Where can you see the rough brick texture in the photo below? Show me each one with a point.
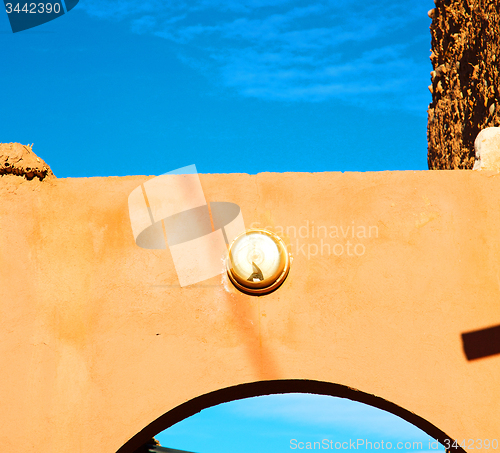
(465, 79)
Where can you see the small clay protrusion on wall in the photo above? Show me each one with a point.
(20, 160)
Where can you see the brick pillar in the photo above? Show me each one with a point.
(465, 79)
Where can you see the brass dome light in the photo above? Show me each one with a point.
(258, 262)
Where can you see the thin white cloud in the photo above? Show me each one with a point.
(119, 9)
(144, 24)
(288, 50)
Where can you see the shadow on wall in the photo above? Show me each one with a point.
(481, 343)
(278, 387)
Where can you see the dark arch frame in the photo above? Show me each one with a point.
(274, 387)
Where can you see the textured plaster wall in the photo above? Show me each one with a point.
(97, 339)
(465, 79)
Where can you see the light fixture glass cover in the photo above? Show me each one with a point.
(258, 262)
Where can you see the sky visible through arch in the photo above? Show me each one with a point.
(286, 423)
(123, 87)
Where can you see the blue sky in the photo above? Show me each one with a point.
(272, 423)
(144, 87)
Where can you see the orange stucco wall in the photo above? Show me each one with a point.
(97, 338)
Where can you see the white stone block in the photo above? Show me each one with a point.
(487, 147)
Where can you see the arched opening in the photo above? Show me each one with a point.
(273, 387)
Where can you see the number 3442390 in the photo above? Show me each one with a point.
(472, 444)
(33, 8)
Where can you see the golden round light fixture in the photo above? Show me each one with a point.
(258, 262)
